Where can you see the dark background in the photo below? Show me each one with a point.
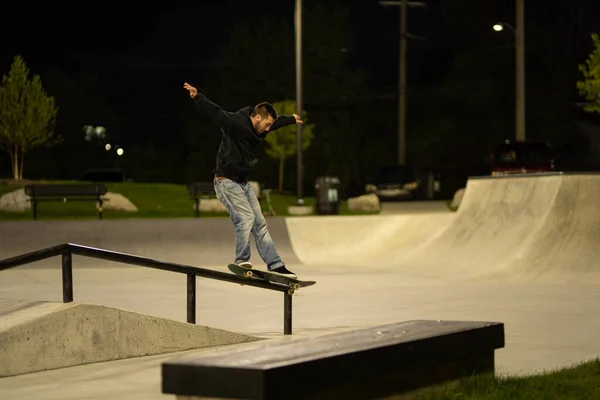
(122, 67)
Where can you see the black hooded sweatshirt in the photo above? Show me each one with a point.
(239, 141)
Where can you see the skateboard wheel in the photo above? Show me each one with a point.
(248, 274)
(291, 291)
(296, 286)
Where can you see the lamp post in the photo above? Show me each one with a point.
(519, 33)
(299, 166)
(403, 5)
(520, 68)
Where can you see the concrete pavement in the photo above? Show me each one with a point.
(521, 251)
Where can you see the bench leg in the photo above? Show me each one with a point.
(197, 208)
(34, 209)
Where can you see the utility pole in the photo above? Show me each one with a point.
(520, 70)
(402, 87)
(299, 166)
(403, 35)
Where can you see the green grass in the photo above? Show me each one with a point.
(579, 382)
(153, 200)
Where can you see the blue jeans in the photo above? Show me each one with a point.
(245, 212)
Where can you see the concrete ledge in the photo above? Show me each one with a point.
(39, 336)
(359, 364)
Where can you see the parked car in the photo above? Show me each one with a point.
(402, 182)
(521, 157)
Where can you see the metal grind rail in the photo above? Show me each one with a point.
(67, 250)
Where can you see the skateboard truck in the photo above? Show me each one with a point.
(292, 283)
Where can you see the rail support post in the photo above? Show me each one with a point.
(67, 276)
(287, 313)
(191, 298)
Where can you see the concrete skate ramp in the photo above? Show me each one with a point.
(362, 240)
(37, 336)
(199, 242)
(528, 228)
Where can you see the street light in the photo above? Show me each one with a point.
(519, 33)
(499, 27)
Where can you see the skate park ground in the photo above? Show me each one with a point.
(520, 250)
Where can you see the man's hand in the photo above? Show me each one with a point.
(193, 91)
(298, 120)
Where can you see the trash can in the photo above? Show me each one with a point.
(430, 185)
(327, 199)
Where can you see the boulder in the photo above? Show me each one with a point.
(211, 205)
(117, 202)
(364, 203)
(457, 199)
(15, 201)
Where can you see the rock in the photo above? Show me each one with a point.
(211, 205)
(364, 203)
(300, 210)
(458, 196)
(16, 201)
(117, 202)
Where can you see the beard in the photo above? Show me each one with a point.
(260, 127)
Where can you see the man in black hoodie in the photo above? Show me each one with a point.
(242, 132)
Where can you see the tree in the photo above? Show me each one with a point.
(27, 114)
(336, 93)
(282, 142)
(261, 49)
(590, 87)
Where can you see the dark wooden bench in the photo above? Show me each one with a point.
(360, 364)
(200, 190)
(68, 192)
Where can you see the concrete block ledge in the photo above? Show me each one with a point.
(358, 364)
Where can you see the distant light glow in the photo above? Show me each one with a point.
(94, 132)
(108, 147)
(498, 27)
(120, 151)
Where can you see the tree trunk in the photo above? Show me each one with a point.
(21, 166)
(14, 155)
(281, 169)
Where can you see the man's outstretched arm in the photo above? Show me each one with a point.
(209, 108)
(284, 120)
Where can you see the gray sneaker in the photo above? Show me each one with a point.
(283, 271)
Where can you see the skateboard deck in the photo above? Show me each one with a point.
(262, 275)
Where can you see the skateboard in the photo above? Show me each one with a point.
(292, 283)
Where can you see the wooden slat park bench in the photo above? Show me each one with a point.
(67, 192)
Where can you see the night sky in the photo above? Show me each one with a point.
(185, 35)
(173, 38)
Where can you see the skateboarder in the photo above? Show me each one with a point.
(242, 132)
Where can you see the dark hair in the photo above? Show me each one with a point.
(264, 110)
